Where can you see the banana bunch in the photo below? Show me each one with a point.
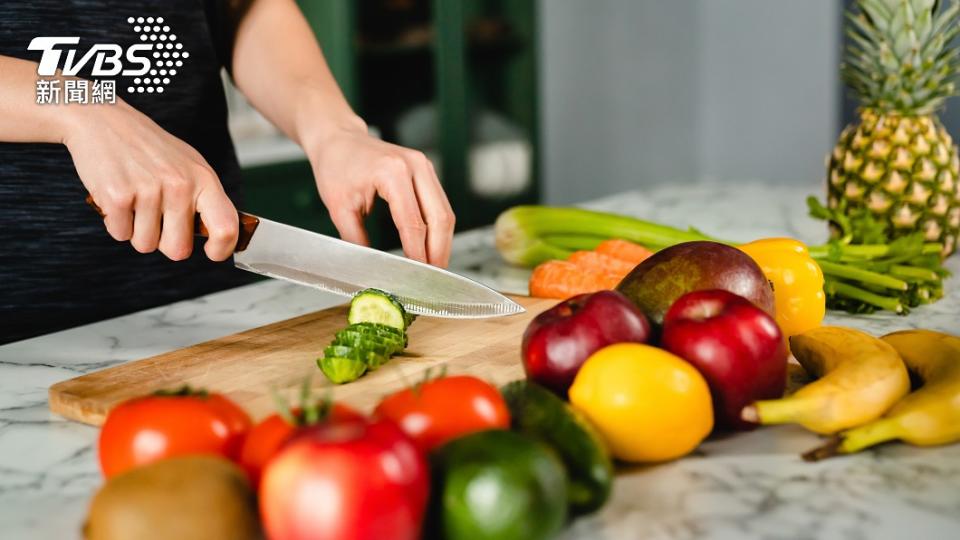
(862, 389)
(928, 416)
(859, 377)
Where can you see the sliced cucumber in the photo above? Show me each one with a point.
(376, 306)
(376, 332)
(375, 359)
(538, 412)
(342, 351)
(342, 369)
(370, 356)
(386, 345)
(367, 344)
(379, 330)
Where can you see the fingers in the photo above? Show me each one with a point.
(161, 215)
(117, 208)
(396, 187)
(435, 209)
(176, 236)
(349, 224)
(221, 220)
(146, 220)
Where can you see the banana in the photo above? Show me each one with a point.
(859, 377)
(928, 416)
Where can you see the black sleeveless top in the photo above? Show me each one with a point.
(58, 266)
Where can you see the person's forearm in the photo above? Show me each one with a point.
(22, 119)
(279, 67)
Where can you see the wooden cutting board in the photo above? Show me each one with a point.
(248, 366)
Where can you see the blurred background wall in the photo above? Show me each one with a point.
(639, 92)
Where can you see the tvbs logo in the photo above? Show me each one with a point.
(152, 62)
(106, 58)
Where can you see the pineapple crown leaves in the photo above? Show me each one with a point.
(901, 57)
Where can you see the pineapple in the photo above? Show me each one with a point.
(899, 162)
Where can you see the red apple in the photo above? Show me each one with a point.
(559, 340)
(350, 479)
(735, 345)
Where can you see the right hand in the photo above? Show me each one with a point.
(148, 183)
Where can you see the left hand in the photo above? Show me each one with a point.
(352, 168)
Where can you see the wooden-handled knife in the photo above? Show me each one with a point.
(307, 258)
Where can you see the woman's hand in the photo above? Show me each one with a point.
(352, 168)
(148, 183)
(278, 65)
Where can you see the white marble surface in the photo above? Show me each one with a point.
(741, 487)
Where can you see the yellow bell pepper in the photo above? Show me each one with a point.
(797, 282)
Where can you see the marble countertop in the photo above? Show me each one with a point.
(746, 486)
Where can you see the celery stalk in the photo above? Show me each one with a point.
(574, 242)
(521, 231)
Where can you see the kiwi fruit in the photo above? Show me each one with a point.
(187, 498)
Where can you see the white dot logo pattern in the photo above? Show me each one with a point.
(154, 33)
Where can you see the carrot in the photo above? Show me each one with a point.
(562, 279)
(602, 262)
(623, 249)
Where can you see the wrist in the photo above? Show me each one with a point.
(73, 120)
(70, 121)
(320, 118)
(62, 120)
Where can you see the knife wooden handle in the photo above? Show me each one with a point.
(248, 224)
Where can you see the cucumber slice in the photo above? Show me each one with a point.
(371, 335)
(538, 412)
(379, 330)
(375, 359)
(341, 351)
(364, 343)
(376, 332)
(376, 306)
(371, 357)
(376, 328)
(342, 369)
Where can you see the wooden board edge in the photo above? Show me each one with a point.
(69, 406)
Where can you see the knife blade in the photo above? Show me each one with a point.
(333, 265)
(315, 260)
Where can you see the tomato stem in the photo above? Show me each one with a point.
(311, 412)
(428, 376)
(184, 391)
(283, 408)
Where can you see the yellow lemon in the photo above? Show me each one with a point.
(649, 404)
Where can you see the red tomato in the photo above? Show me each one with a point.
(266, 438)
(150, 428)
(351, 480)
(444, 409)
